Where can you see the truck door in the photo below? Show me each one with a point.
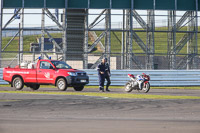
(45, 73)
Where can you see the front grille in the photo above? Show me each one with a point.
(81, 74)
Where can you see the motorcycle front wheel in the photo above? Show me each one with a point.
(145, 88)
(128, 87)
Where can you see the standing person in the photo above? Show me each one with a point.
(107, 74)
(101, 73)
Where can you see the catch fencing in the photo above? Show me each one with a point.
(158, 77)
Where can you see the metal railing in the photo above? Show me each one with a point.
(1, 77)
(158, 77)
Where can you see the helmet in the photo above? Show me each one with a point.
(106, 59)
(143, 74)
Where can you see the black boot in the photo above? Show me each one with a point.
(101, 89)
(107, 89)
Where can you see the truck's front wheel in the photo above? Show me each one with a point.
(18, 83)
(61, 84)
(80, 88)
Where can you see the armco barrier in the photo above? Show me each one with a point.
(1, 77)
(158, 77)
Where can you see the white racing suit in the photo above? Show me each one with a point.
(140, 81)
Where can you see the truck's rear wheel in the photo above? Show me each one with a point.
(35, 86)
(61, 84)
(18, 83)
(80, 88)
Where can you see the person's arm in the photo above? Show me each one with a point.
(109, 70)
(98, 69)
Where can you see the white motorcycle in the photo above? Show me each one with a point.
(139, 83)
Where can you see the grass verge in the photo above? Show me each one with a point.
(120, 87)
(106, 95)
(182, 87)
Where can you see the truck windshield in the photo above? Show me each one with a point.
(61, 65)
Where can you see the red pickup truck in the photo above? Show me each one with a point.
(46, 72)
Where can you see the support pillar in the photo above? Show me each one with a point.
(43, 33)
(1, 18)
(85, 54)
(21, 35)
(126, 61)
(64, 37)
(123, 43)
(150, 40)
(130, 44)
(172, 39)
(192, 48)
(108, 35)
(196, 59)
(129, 39)
(189, 43)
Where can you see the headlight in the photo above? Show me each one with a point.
(72, 73)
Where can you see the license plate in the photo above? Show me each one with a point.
(83, 81)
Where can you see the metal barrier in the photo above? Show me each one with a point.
(158, 77)
(1, 77)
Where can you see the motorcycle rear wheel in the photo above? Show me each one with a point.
(128, 87)
(145, 89)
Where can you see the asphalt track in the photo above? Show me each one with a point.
(38, 113)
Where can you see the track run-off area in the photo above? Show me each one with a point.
(117, 92)
(48, 110)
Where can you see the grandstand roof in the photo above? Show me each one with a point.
(181, 5)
